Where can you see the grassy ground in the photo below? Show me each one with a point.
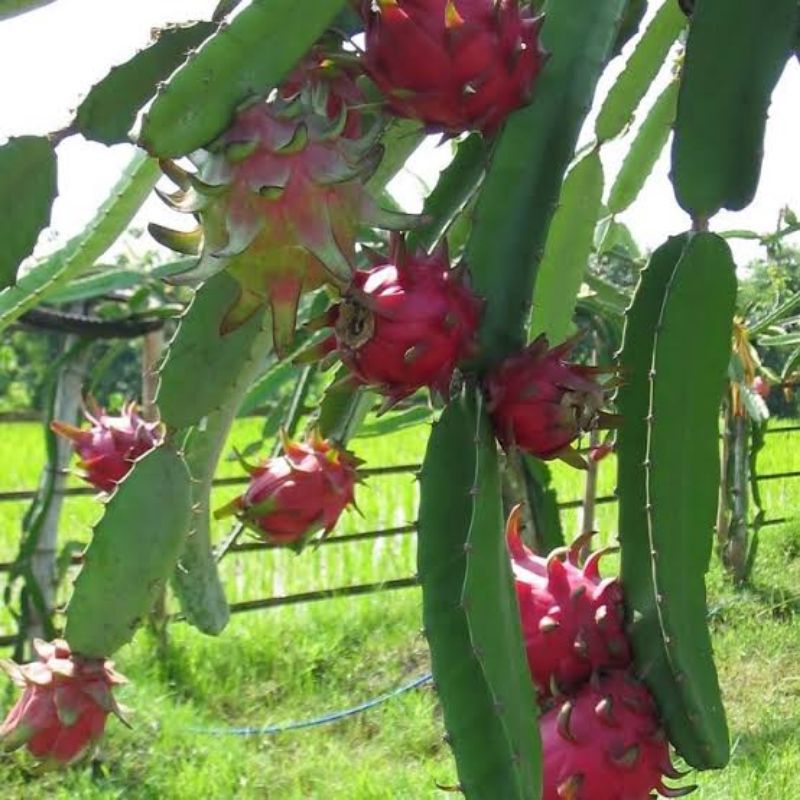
(298, 662)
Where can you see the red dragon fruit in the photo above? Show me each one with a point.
(280, 195)
(406, 322)
(606, 743)
(293, 496)
(541, 403)
(456, 65)
(572, 620)
(64, 705)
(108, 449)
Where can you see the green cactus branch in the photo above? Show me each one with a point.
(13, 8)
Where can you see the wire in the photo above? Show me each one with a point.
(268, 730)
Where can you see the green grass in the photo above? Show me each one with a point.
(297, 662)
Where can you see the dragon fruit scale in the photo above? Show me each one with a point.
(455, 65)
(280, 195)
(406, 322)
(541, 404)
(109, 447)
(606, 742)
(64, 705)
(297, 494)
(572, 619)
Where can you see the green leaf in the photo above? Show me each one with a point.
(448, 513)
(566, 253)
(12, 8)
(343, 408)
(242, 60)
(401, 139)
(644, 151)
(394, 422)
(780, 340)
(134, 548)
(777, 315)
(202, 367)
(81, 252)
(523, 182)
(735, 54)
(109, 110)
(608, 294)
(640, 71)
(668, 480)
(28, 186)
(456, 185)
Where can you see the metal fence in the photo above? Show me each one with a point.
(343, 540)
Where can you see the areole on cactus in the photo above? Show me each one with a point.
(280, 194)
(606, 742)
(406, 322)
(456, 65)
(541, 403)
(295, 495)
(108, 449)
(64, 705)
(572, 619)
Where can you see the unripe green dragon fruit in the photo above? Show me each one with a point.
(572, 619)
(280, 195)
(606, 743)
(64, 705)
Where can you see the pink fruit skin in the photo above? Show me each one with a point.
(406, 323)
(541, 403)
(761, 387)
(605, 743)
(109, 447)
(572, 620)
(64, 705)
(295, 495)
(455, 65)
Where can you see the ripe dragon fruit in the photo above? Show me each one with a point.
(293, 496)
(65, 701)
(108, 449)
(406, 322)
(606, 743)
(455, 65)
(280, 195)
(572, 620)
(542, 404)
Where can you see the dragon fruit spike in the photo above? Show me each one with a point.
(296, 495)
(455, 65)
(606, 743)
(572, 619)
(64, 705)
(107, 450)
(405, 323)
(280, 195)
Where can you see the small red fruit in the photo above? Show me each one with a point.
(108, 449)
(606, 743)
(541, 403)
(293, 496)
(64, 705)
(406, 323)
(572, 619)
(455, 65)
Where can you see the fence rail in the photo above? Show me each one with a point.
(355, 589)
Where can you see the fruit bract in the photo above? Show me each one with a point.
(572, 619)
(606, 743)
(109, 447)
(295, 495)
(64, 705)
(406, 323)
(541, 403)
(455, 65)
(280, 195)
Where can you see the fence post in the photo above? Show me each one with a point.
(44, 571)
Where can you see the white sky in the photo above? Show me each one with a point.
(49, 58)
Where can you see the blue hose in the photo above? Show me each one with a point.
(268, 730)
